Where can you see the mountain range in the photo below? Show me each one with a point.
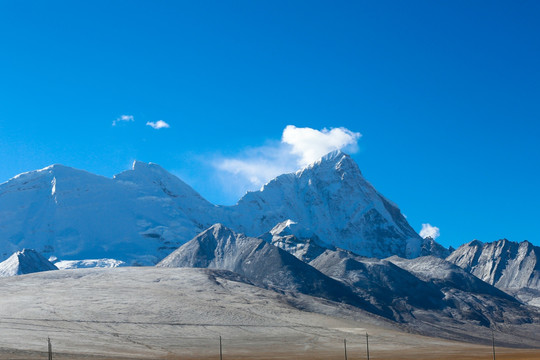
(322, 232)
(143, 214)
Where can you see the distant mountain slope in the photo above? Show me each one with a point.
(332, 199)
(423, 292)
(25, 262)
(396, 292)
(466, 298)
(510, 266)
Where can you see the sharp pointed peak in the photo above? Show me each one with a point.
(218, 230)
(336, 159)
(475, 242)
(144, 170)
(334, 155)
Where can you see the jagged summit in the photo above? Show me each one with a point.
(25, 262)
(505, 264)
(332, 159)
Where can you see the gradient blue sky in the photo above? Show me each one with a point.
(446, 95)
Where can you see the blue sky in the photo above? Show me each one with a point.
(444, 93)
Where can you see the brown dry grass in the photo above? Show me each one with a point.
(462, 352)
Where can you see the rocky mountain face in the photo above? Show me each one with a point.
(423, 293)
(25, 262)
(510, 266)
(259, 262)
(143, 214)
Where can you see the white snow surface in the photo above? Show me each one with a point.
(88, 263)
(143, 214)
(139, 216)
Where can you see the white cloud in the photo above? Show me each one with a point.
(429, 231)
(256, 166)
(123, 118)
(310, 144)
(160, 124)
(298, 147)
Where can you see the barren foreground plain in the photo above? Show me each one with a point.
(171, 313)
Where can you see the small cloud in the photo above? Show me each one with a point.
(123, 118)
(310, 144)
(429, 231)
(160, 124)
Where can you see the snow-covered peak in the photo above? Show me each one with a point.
(141, 167)
(152, 178)
(333, 200)
(55, 171)
(333, 159)
(25, 262)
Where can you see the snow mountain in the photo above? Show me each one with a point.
(141, 215)
(25, 262)
(331, 199)
(510, 266)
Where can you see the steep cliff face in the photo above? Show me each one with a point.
(510, 266)
(504, 264)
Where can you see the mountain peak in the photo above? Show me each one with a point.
(475, 242)
(141, 166)
(25, 262)
(333, 200)
(54, 169)
(335, 159)
(219, 230)
(333, 156)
